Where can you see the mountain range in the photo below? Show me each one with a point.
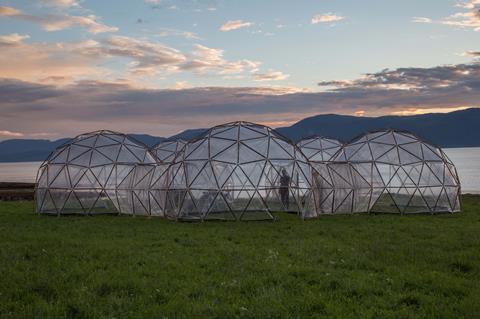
(454, 129)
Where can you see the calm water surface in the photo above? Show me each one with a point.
(19, 172)
(467, 161)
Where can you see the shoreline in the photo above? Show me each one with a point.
(13, 191)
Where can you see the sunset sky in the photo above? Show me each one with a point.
(162, 66)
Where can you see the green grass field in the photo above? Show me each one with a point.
(349, 266)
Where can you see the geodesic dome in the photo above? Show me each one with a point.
(167, 150)
(332, 186)
(395, 171)
(236, 171)
(318, 148)
(91, 174)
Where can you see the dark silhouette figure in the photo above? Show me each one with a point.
(284, 186)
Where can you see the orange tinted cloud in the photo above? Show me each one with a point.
(60, 21)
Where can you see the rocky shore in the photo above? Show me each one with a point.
(10, 191)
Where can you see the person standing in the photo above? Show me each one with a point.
(284, 188)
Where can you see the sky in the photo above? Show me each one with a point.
(162, 66)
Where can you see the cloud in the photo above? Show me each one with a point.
(9, 11)
(13, 39)
(60, 21)
(117, 105)
(90, 23)
(469, 18)
(166, 32)
(59, 62)
(61, 3)
(142, 52)
(416, 111)
(472, 53)
(30, 108)
(69, 61)
(234, 25)
(10, 134)
(14, 91)
(271, 75)
(464, 20)
(419, 80)
(5, 135)
(180, 85)
(205, 59)
(326, 18)
(421, 20)
(66, 62)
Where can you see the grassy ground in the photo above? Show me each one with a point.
(364, 266)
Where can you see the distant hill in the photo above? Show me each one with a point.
(455, 129)
(188, 135)
(31, 150)
(146, 139)
(23, 150)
